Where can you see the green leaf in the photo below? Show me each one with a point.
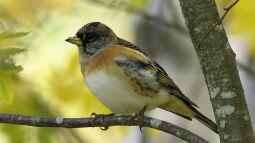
(7, 52)
(7, 64)
(10, 69)
(10, 35)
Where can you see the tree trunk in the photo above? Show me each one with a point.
(219, 68)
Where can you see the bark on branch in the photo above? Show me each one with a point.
(102, 121)
(219, 68)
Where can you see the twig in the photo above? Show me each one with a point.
(227, 10)
(51, 111)
(182, 30)
(102, 121)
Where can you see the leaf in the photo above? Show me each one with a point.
(7, 64)
(7, 52)
(10, 35)
(9, 70)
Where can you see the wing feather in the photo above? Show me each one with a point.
(149, 74)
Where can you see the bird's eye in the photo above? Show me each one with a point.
(79, 35)
(90, 37)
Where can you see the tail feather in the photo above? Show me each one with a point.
(188, 112)
(206, 121)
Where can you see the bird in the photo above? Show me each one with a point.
(125, 79)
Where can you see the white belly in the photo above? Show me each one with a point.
(116, 94)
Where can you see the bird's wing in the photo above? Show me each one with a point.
(166, 81)
(151, 75)
(148, 73)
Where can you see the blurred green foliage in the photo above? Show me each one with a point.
(9, 35)
(8, 68)
(45, 79)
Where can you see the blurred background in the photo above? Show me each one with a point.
(40, 75)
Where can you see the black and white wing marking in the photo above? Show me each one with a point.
(150, 76)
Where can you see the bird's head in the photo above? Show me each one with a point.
(92, 37)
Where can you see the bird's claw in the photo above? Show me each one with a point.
(102, 116)
(140, 117)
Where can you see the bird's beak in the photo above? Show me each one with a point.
(74, 40)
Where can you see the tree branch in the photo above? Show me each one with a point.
(219, 68)
(219, 22)
(102, 121)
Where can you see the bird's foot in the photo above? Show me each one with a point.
(140, 117)
(102, 116)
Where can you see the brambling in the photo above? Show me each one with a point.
(125, 79)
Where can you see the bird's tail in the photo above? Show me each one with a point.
(204, 120)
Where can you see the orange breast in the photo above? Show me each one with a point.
(105, 58)
(102, 59)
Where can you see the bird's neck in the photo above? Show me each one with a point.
(86, 53)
